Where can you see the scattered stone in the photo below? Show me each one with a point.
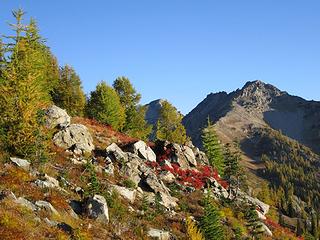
(179, 157)
(109, 169)
(75, 137)
(156, 185)
(168, 201)
(116, 153)
(57, 117)
(131, 169)
(267, 231)
(78, 161)
(188, 153)
(144, 151)
(96, 208)
(126, 193)
(6, 194)
(167, 177)
(263, 207)
(261, 216)
(51, 223)
(25, 203)
(158, 234)
(46, 181)
(22, 163)
(47, 206)
(79, 191)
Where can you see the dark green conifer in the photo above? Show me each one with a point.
(212, 147)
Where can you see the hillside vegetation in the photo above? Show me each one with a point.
(73, 167)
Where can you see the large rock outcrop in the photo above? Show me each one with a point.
(75, 137)
(57, 117)
(96, 208)
(144, 151)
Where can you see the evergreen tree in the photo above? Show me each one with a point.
(128, 95)
(210, 223)
(169, 126)
(135, 125)
(47, 64)
(265, 194)
(104, 106)
(212, 147)
(232, 171)
(253, 223)
(68, 93)
(23, 94)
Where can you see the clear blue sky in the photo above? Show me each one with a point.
(182, 50)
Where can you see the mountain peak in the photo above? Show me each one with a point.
(258, 95)
(260, 85)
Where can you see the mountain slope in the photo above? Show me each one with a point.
(257, 104)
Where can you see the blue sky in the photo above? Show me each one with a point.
(182, 50)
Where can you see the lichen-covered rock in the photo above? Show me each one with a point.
(22, 163)
(57, 117)
(158, 234)
(46, 181)
(96, 208)
(47, 206)
(75, 137)
(25, 203)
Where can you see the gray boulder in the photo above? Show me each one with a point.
(22, 163)
(158, 187)
(179, 156)
(76, 137)
(46, 181)
(116, 153)
(168, 201)
(131, 169)
(189, 155)
(109, 169)
(263, 207)
(96, 208)
(47, 206)
(126, 193)
(158, 234)
(25, 203)
(57, 117)
(167, 177)
(144, 151)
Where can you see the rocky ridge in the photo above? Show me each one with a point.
(256, 105)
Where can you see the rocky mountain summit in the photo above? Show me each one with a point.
(257, 105)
